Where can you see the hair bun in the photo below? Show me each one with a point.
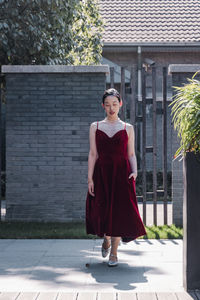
(111, 92)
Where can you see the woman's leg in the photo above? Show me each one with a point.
(114, 245)
(106, 243)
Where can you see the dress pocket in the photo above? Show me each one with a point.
(131, 179)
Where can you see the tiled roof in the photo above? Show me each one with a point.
(151, 21)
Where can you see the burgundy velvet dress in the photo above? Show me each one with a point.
(113, 210)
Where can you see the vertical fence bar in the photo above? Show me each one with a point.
(144, 143)
(133, 103)
(122, 91)
(133, 97)
(135, 111)
(164, 104)
(154, 146)
(0, 141)
(112, 70)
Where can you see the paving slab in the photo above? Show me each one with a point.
(97, 296)
(68, 265)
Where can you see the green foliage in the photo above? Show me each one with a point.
(73, 230)
(87, 32)
(186, 116)
(50, 32)
(164, 232)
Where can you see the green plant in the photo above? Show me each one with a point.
(74, 230)
(186, 116)
(50, 32)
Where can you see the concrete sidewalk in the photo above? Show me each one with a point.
(60, 265)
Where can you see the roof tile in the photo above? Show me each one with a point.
(151, 21)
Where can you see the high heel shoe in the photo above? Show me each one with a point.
(104, 251)
(112, 263)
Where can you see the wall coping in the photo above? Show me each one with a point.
(183, 68)
(54, 69)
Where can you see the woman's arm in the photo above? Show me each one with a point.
(131, 153)
(92, 157)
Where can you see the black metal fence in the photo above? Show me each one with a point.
(134, 111)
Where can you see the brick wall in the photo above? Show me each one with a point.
(180, 73)
(48, 113)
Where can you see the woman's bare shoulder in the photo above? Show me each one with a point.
(93, 126)
(128, 125)
(129, 128)
(101, 121)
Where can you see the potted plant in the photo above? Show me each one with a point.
(186, 119)
(186, 116)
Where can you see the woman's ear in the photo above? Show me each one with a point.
(120, 103)
(102, 104)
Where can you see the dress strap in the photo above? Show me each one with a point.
(97, 124)
(125, 126)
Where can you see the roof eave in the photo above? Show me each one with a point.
(150, 44)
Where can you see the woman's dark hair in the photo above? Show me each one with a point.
(111, 92)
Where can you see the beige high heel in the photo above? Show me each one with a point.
(104, 251)
(112, 263)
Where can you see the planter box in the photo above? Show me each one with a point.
(191, 221)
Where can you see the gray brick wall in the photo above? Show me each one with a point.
(47, 141)
(180, 73)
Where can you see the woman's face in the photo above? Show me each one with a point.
(112, 106)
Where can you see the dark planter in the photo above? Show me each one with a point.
(191, 221)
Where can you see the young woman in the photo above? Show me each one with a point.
(111, 204)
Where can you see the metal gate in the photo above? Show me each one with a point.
(134, 111)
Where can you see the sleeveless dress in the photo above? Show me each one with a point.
(113, 210)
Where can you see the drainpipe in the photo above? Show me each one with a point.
(139, 127)
(139, 52)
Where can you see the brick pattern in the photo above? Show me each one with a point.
(47, 142)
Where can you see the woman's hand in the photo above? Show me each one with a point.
(134, 175)
(91, 187)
